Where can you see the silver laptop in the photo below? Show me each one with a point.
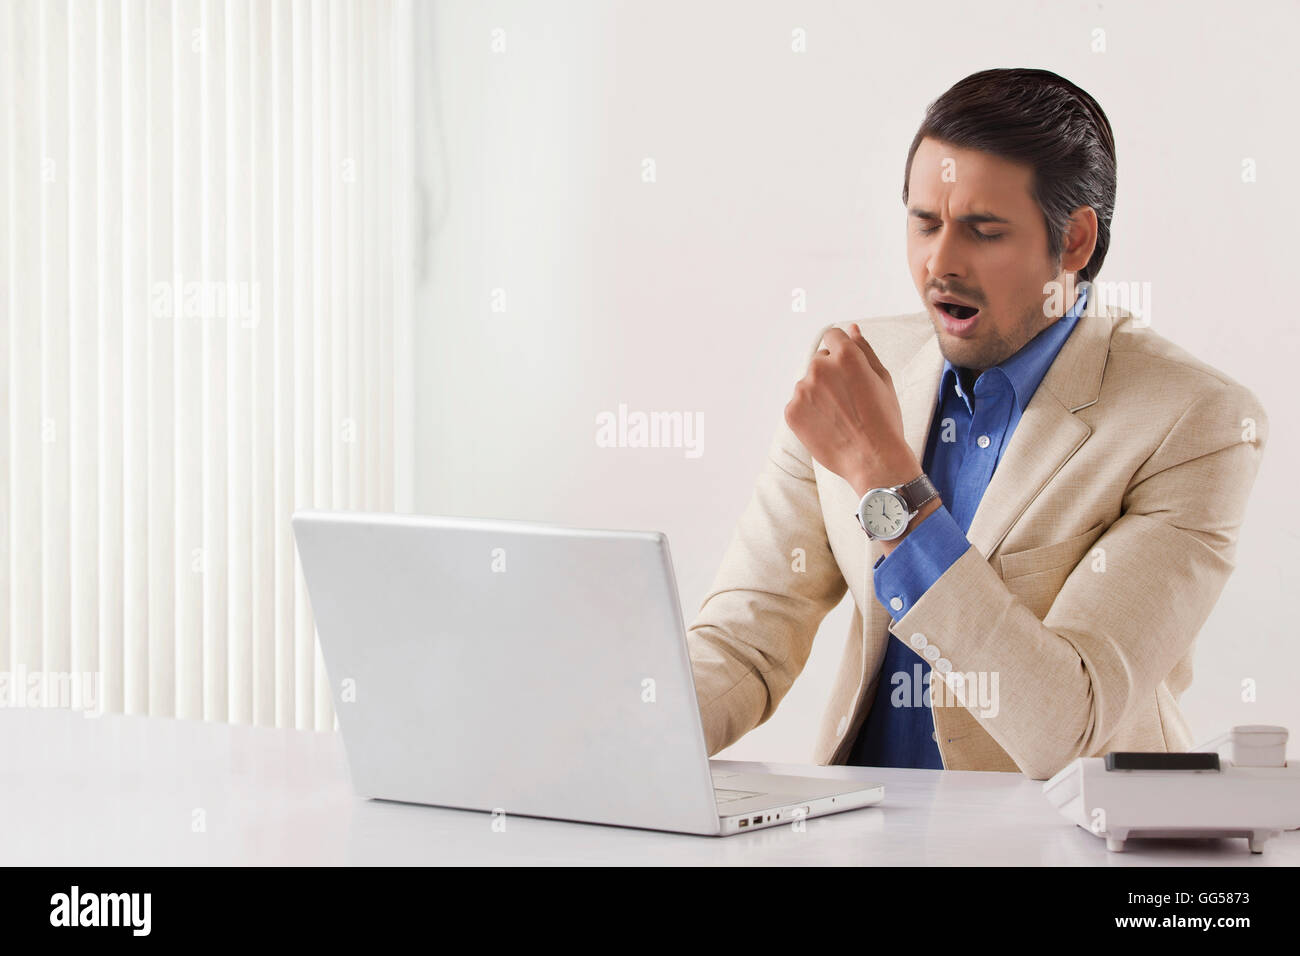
(528, 669)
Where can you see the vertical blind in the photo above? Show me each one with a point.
(206, 260)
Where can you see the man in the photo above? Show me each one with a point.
(1063, 486)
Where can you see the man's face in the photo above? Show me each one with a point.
(975, 234)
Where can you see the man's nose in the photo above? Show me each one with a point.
(945, 256)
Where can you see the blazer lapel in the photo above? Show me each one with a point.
(1049, 432)
(918, 394)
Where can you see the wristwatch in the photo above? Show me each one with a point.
(885, 513)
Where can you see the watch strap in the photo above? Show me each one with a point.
(917, 492)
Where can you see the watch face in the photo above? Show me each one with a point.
(884, 514)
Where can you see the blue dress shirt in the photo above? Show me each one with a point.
(971, 428)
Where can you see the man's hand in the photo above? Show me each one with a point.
(845, 412)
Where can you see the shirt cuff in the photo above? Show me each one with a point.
(920, 559)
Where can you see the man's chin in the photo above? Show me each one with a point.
(962, 352)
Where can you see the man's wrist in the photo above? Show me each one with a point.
(899, 470)
(927, 509)
(889, 475)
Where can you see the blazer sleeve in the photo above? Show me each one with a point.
(1125, 615)
(777, 581)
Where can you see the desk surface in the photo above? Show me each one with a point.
(126, 791)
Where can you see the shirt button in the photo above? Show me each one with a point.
(896, 603)
(934, 735)
(982, 441)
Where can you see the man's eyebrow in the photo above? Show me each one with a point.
(969, 217)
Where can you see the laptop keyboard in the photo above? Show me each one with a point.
(729, 796)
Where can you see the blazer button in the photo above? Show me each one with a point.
(919, 641)
(943, 665)
(930, 653)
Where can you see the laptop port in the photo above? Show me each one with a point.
(744, 823)
(758, 819)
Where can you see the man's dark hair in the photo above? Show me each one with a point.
(1043, 121)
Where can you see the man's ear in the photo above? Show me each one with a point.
(1080, 239)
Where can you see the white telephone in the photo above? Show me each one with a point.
(1250, 791)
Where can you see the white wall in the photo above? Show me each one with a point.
(777, 171)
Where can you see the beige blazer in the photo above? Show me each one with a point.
(1098, 550)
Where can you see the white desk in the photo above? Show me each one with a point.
(79, 791)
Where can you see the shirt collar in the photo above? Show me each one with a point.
(1025, 369)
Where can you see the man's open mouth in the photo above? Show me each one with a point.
(960, 312)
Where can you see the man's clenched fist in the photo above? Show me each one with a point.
(845, 412)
